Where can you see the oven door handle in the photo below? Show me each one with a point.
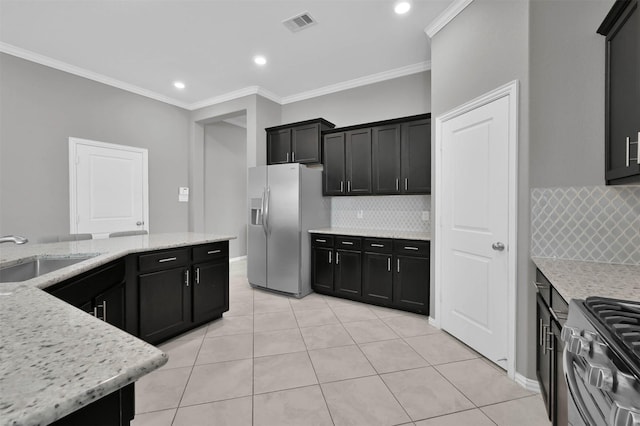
(572, 386)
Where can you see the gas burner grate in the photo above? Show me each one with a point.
(621, 318)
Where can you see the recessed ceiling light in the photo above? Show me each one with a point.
(402, 7)
(260, 60)
(178, 85)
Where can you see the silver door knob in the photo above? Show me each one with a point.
(497, 246)
(139, 223)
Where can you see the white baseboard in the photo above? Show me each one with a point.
(237, 259)
(528, 384)
(433, 322)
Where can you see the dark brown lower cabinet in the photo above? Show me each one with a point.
(115, 409)
(322, 268)
(409, 291)
(348, 272)
(377, 278)
(210, 290)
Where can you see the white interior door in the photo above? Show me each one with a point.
(108, 185)
(475, 229)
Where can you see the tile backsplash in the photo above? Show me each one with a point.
(595, 223)
(392, 212)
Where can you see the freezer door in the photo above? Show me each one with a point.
(283, 228)
(256, 234)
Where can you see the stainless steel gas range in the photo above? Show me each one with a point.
(602, 362)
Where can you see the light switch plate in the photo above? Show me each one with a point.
(183, 194)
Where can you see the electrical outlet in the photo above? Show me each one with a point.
(360, 214)
(425, 215)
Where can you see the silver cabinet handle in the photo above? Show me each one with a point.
(406, 184)
(628, 156)
(629, 143)
(293, 156)
(95, 311)
(348, 186)
(214, 251)
(558, 315)
(389, 264)
(104, 310)
(197, 275)
(330, 257)
(543, 335)
(398, 267)
(287, 157)
(186, 279)
(540, 332)
(539, 286)
(377, 245)
(167, 259)
(397, 184)
(347, 243)
(411, 248)
(549, 346)
(341, 186)
(318, 240)
(337, 258)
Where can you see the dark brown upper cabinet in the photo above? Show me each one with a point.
(296, 142)
(382, 158)
(621, 28)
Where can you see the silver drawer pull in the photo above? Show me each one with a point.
(318, 240)
(214, 251)
(411, 248)
(167, 259)
(559, 315)
(389, 264)
(347, 243)
(538, 286)
(377, 245)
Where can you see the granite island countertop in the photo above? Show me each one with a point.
(54, 358)
(375, 233)
(578, 279)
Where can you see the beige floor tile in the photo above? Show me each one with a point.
(277, 342)
(482, 383)
(156, 418)
(369, 331)
(232, 412)
(196, 333)
(326, 336)
(274, 321)
(294, 407)
(410, 325)
(313, 317)
(279, 372)
(363, 401)
(227, 326)
(473, 417)
(161, 389)
(181, 352)
(440, 348)
(262, 294)
(216, 382)
(310, 301)
(424, 393)
(353, 313)
(392, 355)
(528, 411)
(226, 348)
(344, 362)
(271, 304)
(239, 309)
(335, 302)
(382, 312)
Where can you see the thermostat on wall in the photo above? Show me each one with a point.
(183, 194)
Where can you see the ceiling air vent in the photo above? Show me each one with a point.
(299, 22)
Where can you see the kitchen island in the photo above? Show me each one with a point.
(56, 359)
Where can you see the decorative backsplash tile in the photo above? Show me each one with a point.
(393, 212)
(599, 223)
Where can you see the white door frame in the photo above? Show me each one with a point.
(509, 90)
(73, 187)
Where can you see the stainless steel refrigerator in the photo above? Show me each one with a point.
(285, 202)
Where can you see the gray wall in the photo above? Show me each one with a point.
(225, 184)
(408, 95)
(484, 47)
(567, 92)
(40, 108)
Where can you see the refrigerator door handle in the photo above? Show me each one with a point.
(265, 219)
(262, 211)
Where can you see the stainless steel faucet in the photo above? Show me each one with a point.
(13, 239)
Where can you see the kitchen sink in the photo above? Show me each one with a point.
(36, 267)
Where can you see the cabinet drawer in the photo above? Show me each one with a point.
(210, 251)
(378, 245)
(544, 287)
(559, 305)
(321, 240)
(411, 247)
(349, 243)
(163, 260)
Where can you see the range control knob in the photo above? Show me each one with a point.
(579, 346)
(568, 332)
(621, 416)
(600, 377)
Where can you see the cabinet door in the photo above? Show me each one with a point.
(110, 305)
(411, 283)
(278, 146)
(386, 159)
(164, 304)
(377, 279)
(622, 117)
(305, 141)
(333, 182)
(416, 157)
(358, 161)
(543, 358)
(210, 295)
(560, 391)
(322, 269)
(348, 272)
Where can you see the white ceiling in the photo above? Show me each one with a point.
(145, 45)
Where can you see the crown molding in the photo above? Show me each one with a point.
(357, 82)
(81, 72)
(446, 16)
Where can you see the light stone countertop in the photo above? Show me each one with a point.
(578, 280)
(375, 233)
(54, 358)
